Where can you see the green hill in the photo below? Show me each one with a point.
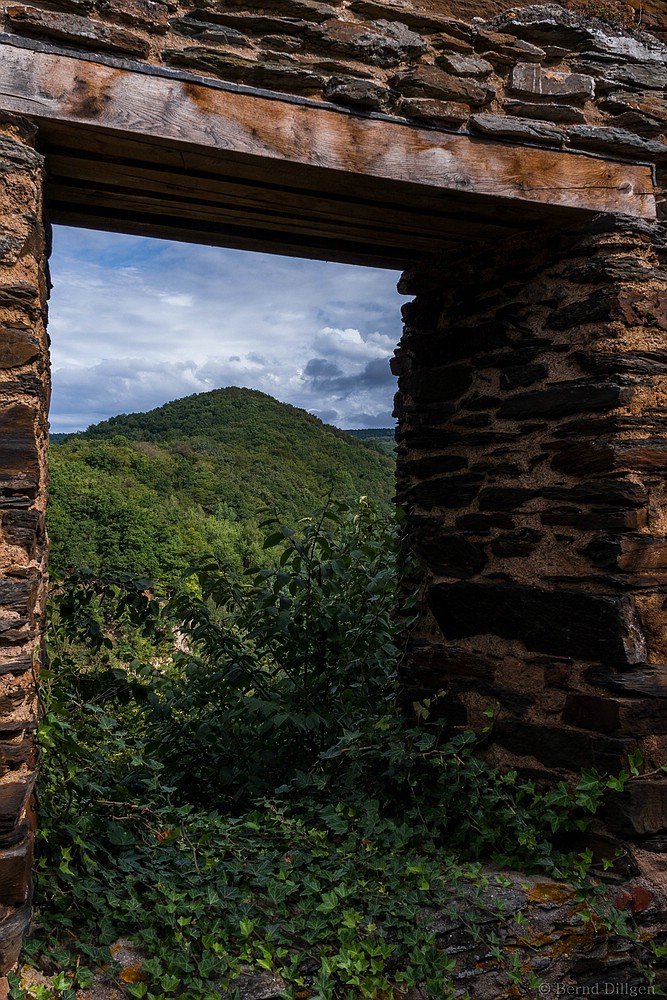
(147, 492)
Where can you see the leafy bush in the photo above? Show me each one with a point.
(256, 798)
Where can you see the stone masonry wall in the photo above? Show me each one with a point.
(542, 75)
(532, 459)
(24, 381)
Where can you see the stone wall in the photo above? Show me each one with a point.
(542, 75)
(24, 393)
(532, 446)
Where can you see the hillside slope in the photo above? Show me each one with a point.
(146, 492)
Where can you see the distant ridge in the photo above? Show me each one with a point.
(147, 491)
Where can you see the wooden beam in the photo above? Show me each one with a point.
(279, 136)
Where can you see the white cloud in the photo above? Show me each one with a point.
(136, 322)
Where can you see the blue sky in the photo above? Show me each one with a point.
(137, 322)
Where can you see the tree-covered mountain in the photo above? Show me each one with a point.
(149, 492)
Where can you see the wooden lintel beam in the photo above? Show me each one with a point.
(54, 87)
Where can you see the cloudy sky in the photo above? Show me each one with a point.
(137, 322)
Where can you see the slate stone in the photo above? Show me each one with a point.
(433, 465)
(443, 660)
(19, 347)
(431, 81)
(381, 43)
(474, 420)
(563, 114)
(605, 519)
(593, 309)
(435, 438)
(481, 402)
(205, 32)
(75, 30)
(528, 78)
(11, 247)
(608, 493)
(647, 679)
(584, 459)
(446, 491)
(640, 809)
(21, 295)
(357, 93)
(13, 798)
(600, 627)
(14, 754)
(615, 141)
(439, 384)
(507, 49)
(18, 153)
(644, 105)
(19, 466)
(146, 14)
(13, 926)
(505, 498)
(515, 544)
(464, 65)
(520, 129)
(447, 43)
(587, 711)
(429, 110)
(449, 553)
(562, 400)
(306, 10)
(272, 75)
(15, 872)
(562, 748)
(611, 75)
(421, 20)
(517, 376)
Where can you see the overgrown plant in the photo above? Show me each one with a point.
(257, 799)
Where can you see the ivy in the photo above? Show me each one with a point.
(227, 780)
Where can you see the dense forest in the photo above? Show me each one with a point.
(150, 492)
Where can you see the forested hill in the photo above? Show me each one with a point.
(148, 492)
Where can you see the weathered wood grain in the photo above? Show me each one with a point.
(172, 156)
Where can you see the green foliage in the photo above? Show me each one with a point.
(151, 492)
(255, 799)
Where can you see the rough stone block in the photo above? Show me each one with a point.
(146, 14)
(570, 749)
(429, 110)
(447, 491)
(13, 799)
(272, 75)
(382, 43)
(563, 114)
(506, 48)
(644, 306)
(586, 711)
(19, 347)
(75, 30)
(640, 809)
(594, 627)
(464, 65)
(527, 78)
(615, 142)
(562, 400)
(431, 81)
(15, 869)
(518, 129)
(357, 93)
